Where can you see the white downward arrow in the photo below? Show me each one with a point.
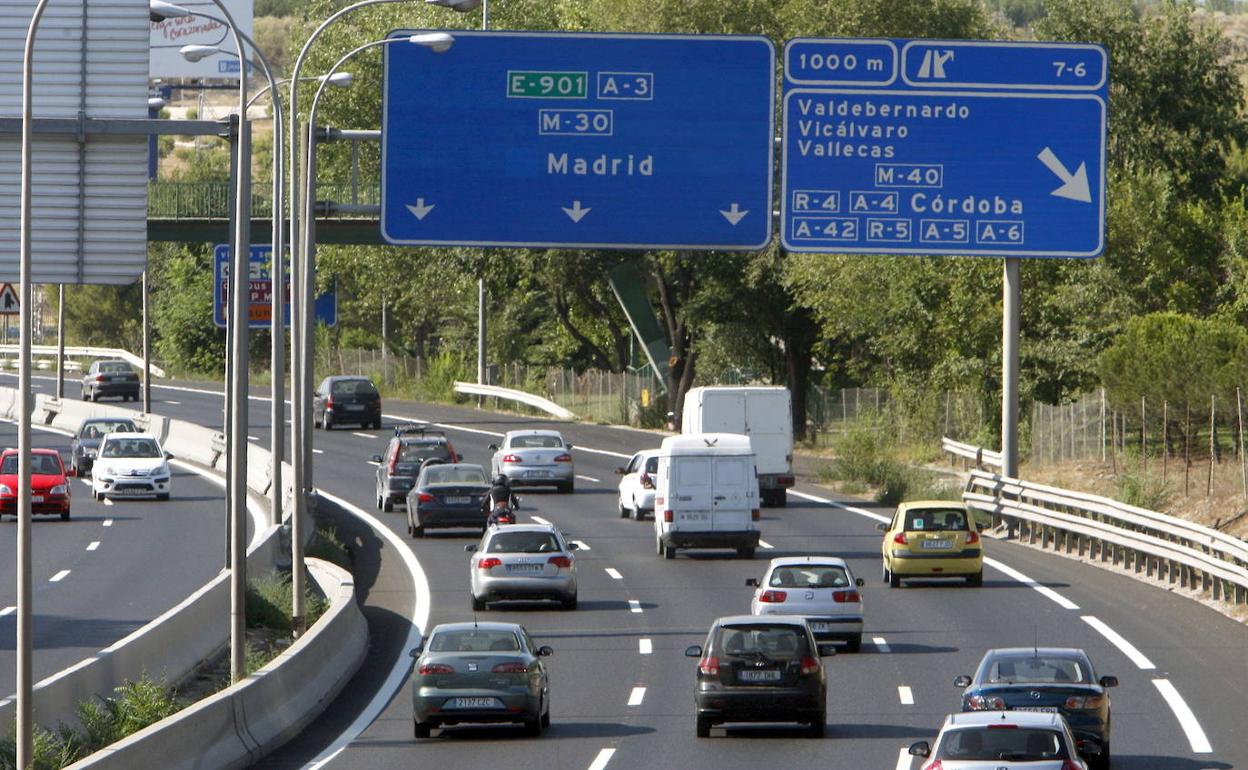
(420, 209)
(1075, 186)
(734, 214)
(576, 213)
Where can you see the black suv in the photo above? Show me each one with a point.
(397, 469)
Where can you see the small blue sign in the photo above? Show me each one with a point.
(260, 309)
(528, 139)
(944, 147)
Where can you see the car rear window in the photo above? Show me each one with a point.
(353, 388)
(935, 520)
(416, 453)
(772, 640)
(116, 367)
(1033, 669)
(1001, 742)
(474, 640)
(523, 542)
(435, 476)
(536, 442)
(809, 576)
(98, 429)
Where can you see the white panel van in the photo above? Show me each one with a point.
(706, 494)
(765, 414)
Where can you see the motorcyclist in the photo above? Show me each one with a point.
(500, 495)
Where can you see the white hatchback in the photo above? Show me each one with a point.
(131, 465)
(820, 589)
(637, 485)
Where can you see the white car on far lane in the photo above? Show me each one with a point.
(637, 485)
(131, 465)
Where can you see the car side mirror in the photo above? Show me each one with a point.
(827, 650)
(962, 681)
(1089, 749)
(69, 472)
(860, 582)
(569, 445)
(494, 447)
(573, 547)
(752, 582)
(882, 526)
(1109, 681)
(377, 459)
(920, 749)
(470, 548)
(544, 652)
(168, 455)
(621, 471)
(693, 651)
(416, 651)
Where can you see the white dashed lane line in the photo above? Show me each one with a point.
(540, 520)
(614, 573)
(645, 646)
(903, 759)
(58, 577)
(318, 451)
(589, 478)
(1187, 720)
(636, 696)
(602, 759)
(107, 501)
(634, 605)
(108, 522)
(1116, 639)
(906, 695)
(581, 545)
(880, 644)
(765, 545)
(93, 545)
(253, 438)
(173, 403)
(362, 435)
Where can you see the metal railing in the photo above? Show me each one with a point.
(211, 200)
(493, 391)
(977, 455)
(78, 352)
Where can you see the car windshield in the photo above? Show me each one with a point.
(39, 464)
(115, 367)
(352, 388)
(98, 429)
(130, 447)
(652, 465)
(808, 576)
(1036, 669)
(772, 641)
(474, 640)
(523, 542)
(1001, 742)
(418, 453)
(536, 442)
(935, 520)
(445, 475)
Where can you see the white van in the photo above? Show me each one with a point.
(706, 494)
(765, 414)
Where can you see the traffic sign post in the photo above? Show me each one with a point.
(944, 147)
(260, 307)
(529, 139)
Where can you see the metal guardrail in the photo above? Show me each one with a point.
(1164, 548)
(211, 200)
(50, 350)
(493, 391)
(977, 455)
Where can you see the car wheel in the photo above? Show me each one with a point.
(163, 496)
(975, 580)
(99, 496)
(746, 553)
(546, 716)
(637, 513)
(623, 511)
(568, 488)
(854, 645)
(95, 397)
(327, 422)
(533, 727)
(478, 605)
(883, 572)
(387, 505)
(570, 604)
(782, 498)
(85, 397)
(418, 530)
(704, 727)
(818, 727)
(65, 516)
(377, 424)
(421, 729)
(669, 551)
(893, 580)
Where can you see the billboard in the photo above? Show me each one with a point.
(170, 35)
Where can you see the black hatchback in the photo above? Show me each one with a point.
(761, 669)
(346, 399)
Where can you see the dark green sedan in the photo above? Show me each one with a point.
(480, 673)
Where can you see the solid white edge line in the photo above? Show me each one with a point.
(906, 695)
(850, 508)
(634, 605)
(1062, 601)
(645, 646)
(420, 619)
(606, 452)
(1118, 641)
(93, 545)
(581, 545)
(880, 644)
(636, 696)
(602, 759)
(1187, 720)
(614, 573)
(58, 577)
(903, 758)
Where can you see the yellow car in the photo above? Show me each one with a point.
(932, 539)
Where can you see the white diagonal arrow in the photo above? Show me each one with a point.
(420, 209)
(576, 213)
(734, 214)
(1075, 186)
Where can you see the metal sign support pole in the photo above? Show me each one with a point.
(1009, 368)
(60, 341)
(237, 429)
(147, 351)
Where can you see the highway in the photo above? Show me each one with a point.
(622, 689)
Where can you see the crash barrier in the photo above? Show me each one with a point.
(176, 643)
(1153, 545)
(978, 456)
(87, 352)
(237, 726)
(507, 394)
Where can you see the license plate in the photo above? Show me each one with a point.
(695, 516)
(820, 628)
(524, 568)
(538, 474)
(36, 498)
(456, 500)
(759, 675)
(355, 407)
(937, 545)
(472, 703)
(1045, 709)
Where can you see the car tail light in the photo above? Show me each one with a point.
(810, 665)
(985, 703)
(99, 378)
(754, 516)
(972, 538)
(935, 765)
(772, 597)
(900, 538)
(511, 458)
(845, 597)
(1075, 702)
(786, 481)
(329, 402)
(510, 668)
(451, 449)
(562, 562)
(709, 666)
(394, 461)
(646, 481)
(667, 516)
(424, 497)
(489, 563)
(563, 458)
(435, 668)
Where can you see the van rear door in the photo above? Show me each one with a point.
(723, 412)
(732, 499)
(690, 493)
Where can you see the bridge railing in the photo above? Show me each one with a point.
(211, 200)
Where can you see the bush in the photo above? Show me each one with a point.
(864, 453)
(269, 603)
(329, 547)
(1143, 491)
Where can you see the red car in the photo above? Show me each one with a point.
(49, 484)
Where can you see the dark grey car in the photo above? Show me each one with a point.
(405, 455)
(86, 442)
(480, 672)
(447, 495)
(346, 399)
(110, 378)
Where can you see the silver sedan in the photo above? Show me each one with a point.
(523, 561)
(535, 458)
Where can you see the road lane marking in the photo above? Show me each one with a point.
(318, 451)
(581, 545)
(108, 522)
(880, 644)
(58, 577)
(602, 759)
(589, 478)
(108, 501)
(173, 403)
(253, 438)
(906, 695)
(614, 573)
(7, 611)
(540, 520)
(645, 646)
(606, 452)
(1044, 590)
(93, 545)
(850, 508)
(1187, 720)
(764, 544)
(636, 696)
(373, 463)
(634, 605)
(362, 435)
(1122, 644)
(903, 759)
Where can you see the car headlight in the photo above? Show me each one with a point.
(4, 490)
(59, 489)
(108, 471)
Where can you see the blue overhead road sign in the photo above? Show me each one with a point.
(532, 139)
(944, 147)
(260, 287)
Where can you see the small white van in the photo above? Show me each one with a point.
(706, 494)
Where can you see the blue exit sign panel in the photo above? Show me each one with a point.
(944, 147)
(528, 139)
(260, 290)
